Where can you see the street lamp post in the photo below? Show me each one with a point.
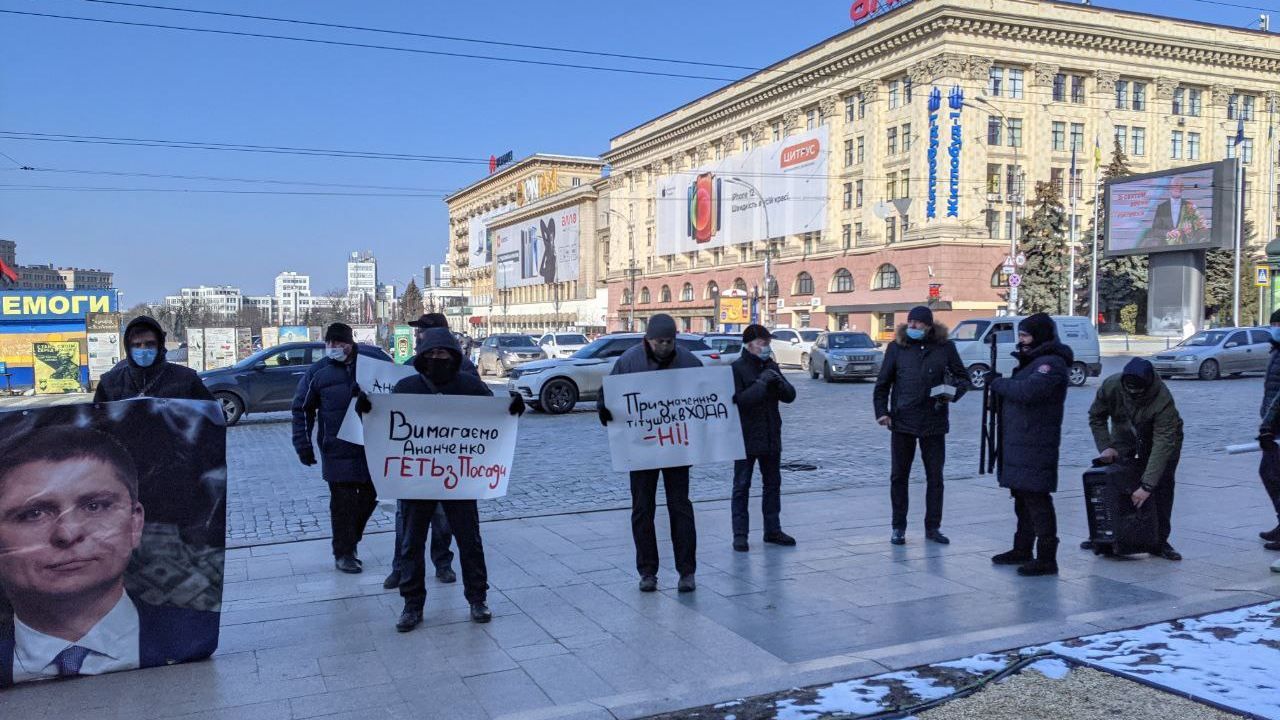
(1013, 234)
(631, 268)
(768, 245)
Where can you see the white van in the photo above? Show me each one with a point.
(972, 339)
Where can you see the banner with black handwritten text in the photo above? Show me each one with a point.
(374, 377)
(670, 418)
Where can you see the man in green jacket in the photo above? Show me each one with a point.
(1134, 419)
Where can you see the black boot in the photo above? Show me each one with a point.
(1271, 535)
(1046, 562)
(1020, 553)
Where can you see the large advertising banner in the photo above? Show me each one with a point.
(56, 366)
(143, 484)
(673, 418)
(538, 251)
(54, 305)
(480, 239)
(1167, 211)
(294, 333)
(439, 447)
(103, 343)
(710, 207)
(365, 334)
(270, 337)
(195, 349)
(219, 348)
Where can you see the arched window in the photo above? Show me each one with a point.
(804, 284)
(740, 284)
(645, 297)
(686, 293)
(887, 278)
(999, 279)
(842, 281)
(626, 296)
(713, 291)
(664, 295)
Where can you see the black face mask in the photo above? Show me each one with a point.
(440, 371)
(1134, 390)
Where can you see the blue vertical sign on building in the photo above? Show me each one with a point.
(956, 101)
(935, 103)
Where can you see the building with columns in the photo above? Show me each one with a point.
(882, 219)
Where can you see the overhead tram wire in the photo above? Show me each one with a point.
(209, 178)
(76, 188)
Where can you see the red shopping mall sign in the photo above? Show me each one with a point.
(863, 11)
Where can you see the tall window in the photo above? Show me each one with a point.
(892, 140)
(906, 184)
(993, 130)
(1060, 87)
(1015, 83)
(891, 186)
(1059, 135)
(1139, 96)
(1122, 94)
(777, 130)
(1077, 183)
(890, 230)
(1013, 180)
(995, 81)
(713, 290)
(686, 293)
(746, 141)
(1055, 179)
(1246, 107)
(993, 178)
(1245, 149)
(1233, 106)
(1077, 137)
(626, 296)
(848, 153)
(842, 281)
(804, 284)
(664, 295)
(906, 90)
(857, 232)
(1077, 89)
(862, 106)
(893, 94)
(850, 107)
(906, 137)
(1008, 224)
(846, 236)
(645, 296)
(811, 119)
(1122, 136)
(1194, 98)
(848, 196)
(1193, 146)
(1139, 137)
(1179, 101)
(740, 284)
(862, 149)
(1175, 145)
(993, 223)
(887, 278)
(857, 194)
(1015, 132)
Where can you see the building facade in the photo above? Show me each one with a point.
(522, 247)
(222, 302)
(362, 284)
(897, 223)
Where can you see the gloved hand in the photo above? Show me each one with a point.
(991, 375)
(362, 402)
(307, 457)
(1267, 439)
(606, 417)
(771, 376)
(517, 405)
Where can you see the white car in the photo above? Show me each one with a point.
(727, 348)
(562, 345)
(792, 346)
(555, 386)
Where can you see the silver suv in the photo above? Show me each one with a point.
(1210, 354)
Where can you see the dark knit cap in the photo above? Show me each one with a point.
(755, 332)
(430, 320)
(1138, 373)
(1275, 317)
(1040, 327)
(339, 332)
(920, 313)
(661, 327)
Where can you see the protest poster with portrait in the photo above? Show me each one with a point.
(439, 447)
(112, 537)
(673, 418)
(375, 377)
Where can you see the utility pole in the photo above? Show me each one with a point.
(768, 246)
(632, 271)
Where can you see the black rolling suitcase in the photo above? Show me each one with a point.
(1116, 527)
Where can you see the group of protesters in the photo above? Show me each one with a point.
(1133, 419)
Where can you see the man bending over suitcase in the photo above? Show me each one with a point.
(1134, 419)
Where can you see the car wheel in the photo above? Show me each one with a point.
(978, 376)
(826, 372)
(813, 374)
(804, 360)
(500, 370)
(232, 407)
(1078, 374)
(558, 396)
(1209, 370)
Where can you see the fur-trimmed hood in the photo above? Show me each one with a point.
(936, 335)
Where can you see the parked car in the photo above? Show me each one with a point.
(845, 355)
(1210, 354)
(792, 346)
(500, 353)
(266, 380)
(972, 339)
(557, 385)
(727, 348)
(562, 345)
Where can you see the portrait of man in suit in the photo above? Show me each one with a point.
(70, 520)
(1177, 220)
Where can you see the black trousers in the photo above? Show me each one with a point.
(644, 503)
(464, 519)
(933, 452)
(1269, 470)
(1036, 518)
(1163, 498)
(770, 501)
(441, 536)
(350, 506)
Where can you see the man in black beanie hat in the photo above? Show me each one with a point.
(1033, 399)
(1269, 469)
(659, 351)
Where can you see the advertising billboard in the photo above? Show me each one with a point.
(54, 305)
(1189, 208)
(195, 349)
(402, 344)
(734, 310)
(538, 251)
(57, 366)
(294, 333)
(479, 239)
(710, 207)
(219, 348)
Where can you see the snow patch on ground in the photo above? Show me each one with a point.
(1053, 668)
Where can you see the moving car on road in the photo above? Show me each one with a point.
(1210, 354)
(973, 337)
(266, 380)
(792, 346)
(845, 355)
(501, 353)
(562, 344)
(727, 348)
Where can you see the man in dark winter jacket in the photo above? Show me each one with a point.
(1134, 420)
(920, 359)
(438, 360)
(659, 351)
(1269, 470)
(1031, 432)
(320, 403)
(758, 388)
(145, 372)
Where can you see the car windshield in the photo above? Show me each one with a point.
(516, 341)
(969, 330)
(809, 335)
(1204, 339)
(840, 341)
(571, 339)
(592, 348)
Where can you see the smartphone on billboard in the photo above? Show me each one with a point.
(704, 208)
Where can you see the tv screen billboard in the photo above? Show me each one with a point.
(1188, 208)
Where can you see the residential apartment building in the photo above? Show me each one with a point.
(222, 302)
(362, 285)
(866, 215)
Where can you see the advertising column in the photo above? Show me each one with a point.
(104, 344)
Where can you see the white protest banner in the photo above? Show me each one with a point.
(375, 377)
(439, 447)
(671, 418)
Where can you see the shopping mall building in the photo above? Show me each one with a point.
(886, 188)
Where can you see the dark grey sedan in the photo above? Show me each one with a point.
(845, 356)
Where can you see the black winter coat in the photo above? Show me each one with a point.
(162, 379)
(757, 402)
(319, 404)
(1031, 418)
(463, 383)
(1271, 389)
(638, 359)
(910, 371)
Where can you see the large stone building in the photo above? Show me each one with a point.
(1038, 79)
(522, 244)
(48, 277)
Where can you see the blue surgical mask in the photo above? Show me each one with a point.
(143, 357)
(766, 353)
(915, 333)
(335, 354)
(1275, 334)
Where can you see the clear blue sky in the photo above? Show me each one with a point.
(81, 78)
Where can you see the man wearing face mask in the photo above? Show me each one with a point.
(920, 359)
(438, 361)
(145, 372)
(1269, 469)
(1134, 421)
(659, 351)
(319, 405)
(758, 388)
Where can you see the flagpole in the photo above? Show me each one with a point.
(1097, 228)
(1238, 229)
(1071, 281)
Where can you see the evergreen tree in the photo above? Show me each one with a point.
(1219, 295)
(1121, 280)
(411, 302)
(1043, 241)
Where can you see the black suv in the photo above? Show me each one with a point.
(267, 380)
